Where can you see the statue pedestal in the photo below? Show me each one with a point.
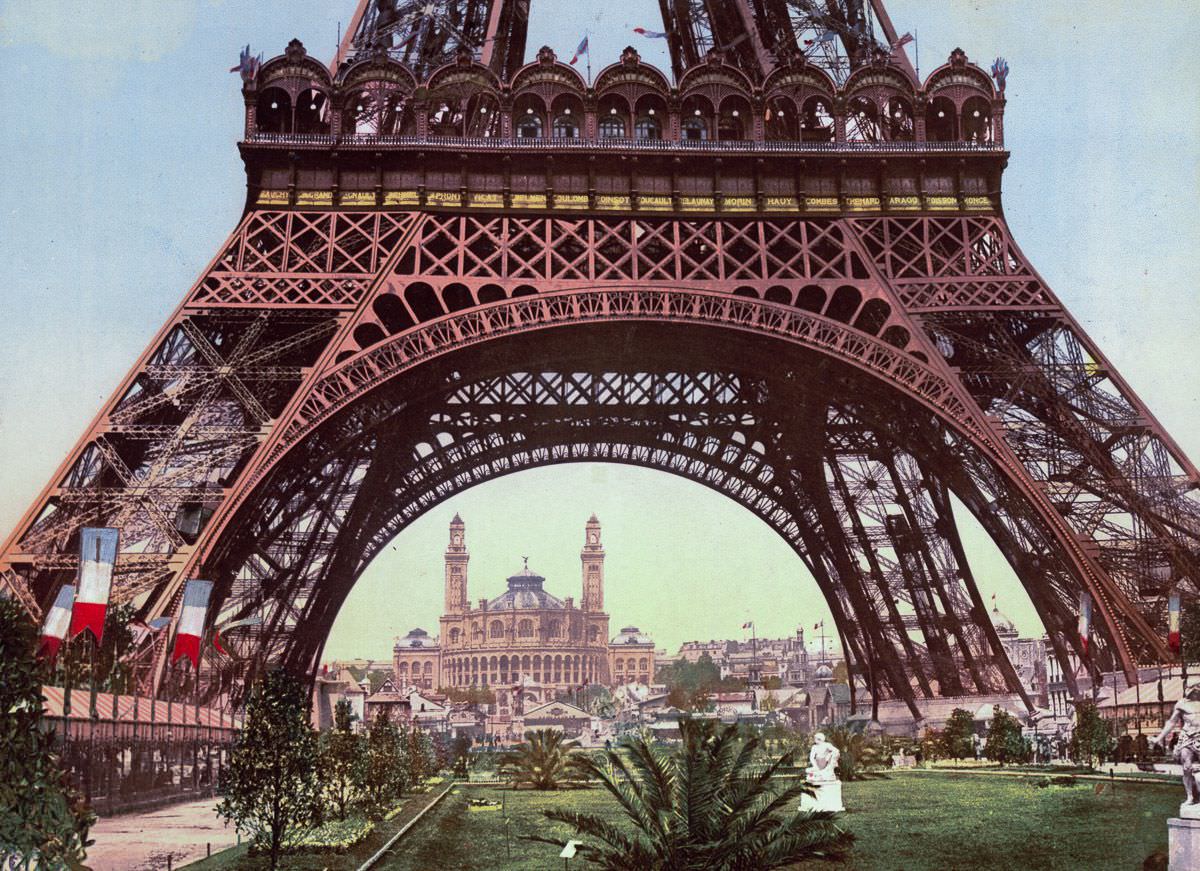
(1183, 843)
(828, 797)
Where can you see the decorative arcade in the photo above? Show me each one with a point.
(781, 270)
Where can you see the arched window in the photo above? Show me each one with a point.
(404, 670)
(694, 129)
(529, 124)
(651, 114)
(497, 629)
(553, 629)
(781, 120)
(446, 118)
(360, 115)
(734, 121)
(647, 127)
(816, 120)
(454, 634)
(274, 111)
(898, 120)
(941, 121)
(482, 119)
(566, 127)
(525, 629)
(977, 120)
(612, 127)
(862, 121)
(697, 118)
(312, 112)
(593, 634)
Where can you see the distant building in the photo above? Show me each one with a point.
(631, 657)
(526, 645)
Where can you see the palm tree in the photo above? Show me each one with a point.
(859, 754)
(701, 806)
(544, 760)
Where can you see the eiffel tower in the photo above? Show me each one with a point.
(781, 270)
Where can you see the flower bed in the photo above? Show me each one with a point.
(335, 836)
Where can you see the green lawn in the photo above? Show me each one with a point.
(907, 822)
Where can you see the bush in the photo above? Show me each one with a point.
(335, 836)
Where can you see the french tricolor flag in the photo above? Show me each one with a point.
(191, 621)
(97, 555)
(1173, 637)
(1085, 619)
(58, 619)
(581, 50)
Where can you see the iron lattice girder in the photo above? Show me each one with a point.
(304, 313)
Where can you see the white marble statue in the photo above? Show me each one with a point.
(822, 777)
(822, 760)
(1187, 749)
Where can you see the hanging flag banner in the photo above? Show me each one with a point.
(58, 619)
(581, 50)
(649, 34)
(229, 627)
(1085, 619)
(1174, 640)
(191, 621)
(97, 555)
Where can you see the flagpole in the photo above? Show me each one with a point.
(588, 37)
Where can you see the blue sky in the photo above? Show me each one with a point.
(121, 178)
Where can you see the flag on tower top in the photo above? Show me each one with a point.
(823, 36)
(1000, 72)
(191, 621)
(581, 50)
(58, 618)
(247, 64)
(649, 34)
(820, 625)
(97, 555)
(748, 625)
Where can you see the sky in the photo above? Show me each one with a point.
(121, 178)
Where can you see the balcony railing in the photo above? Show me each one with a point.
(740, 146)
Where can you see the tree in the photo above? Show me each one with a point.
(1091, 739)
(858, 753)
(1004, 741)
(343, 757)
(384, 773)
(701, 806)
(43, 820)
(270, 785)
(461, 754)
(419, 759)
(543, 760)
(690, 685)
(956, 737)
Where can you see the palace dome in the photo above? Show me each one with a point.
(1003, 625)
(525, 592)
(416, 638)
(632, 635)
